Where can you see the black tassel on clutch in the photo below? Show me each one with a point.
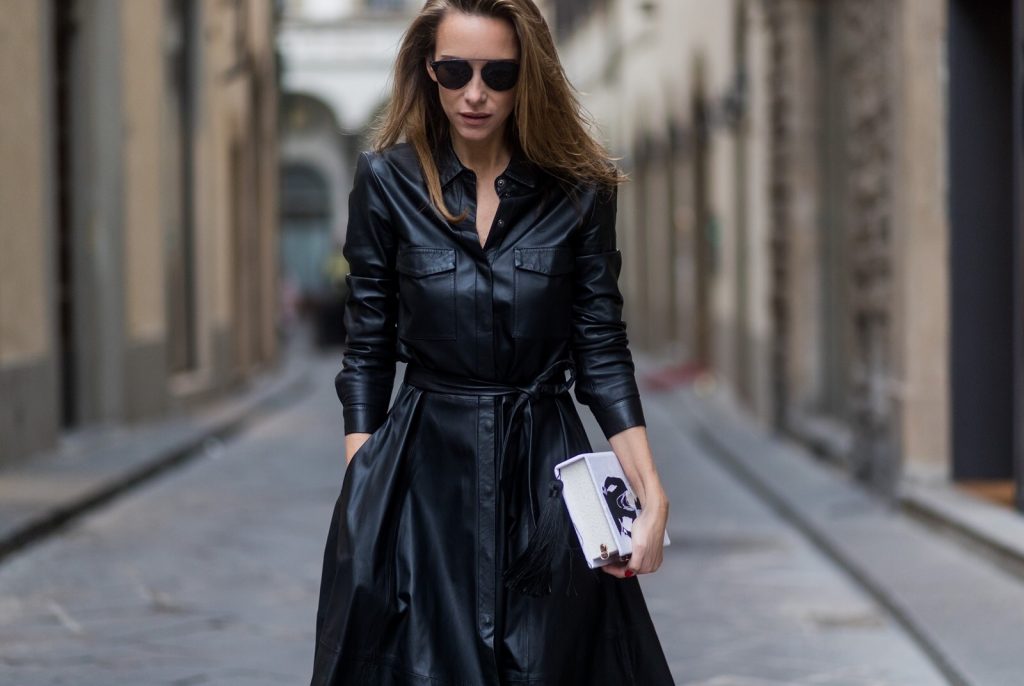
(531, 572)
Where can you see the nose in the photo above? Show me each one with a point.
(476, 92)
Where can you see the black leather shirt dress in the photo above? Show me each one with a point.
(448, 488)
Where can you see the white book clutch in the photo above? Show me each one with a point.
(601, 504)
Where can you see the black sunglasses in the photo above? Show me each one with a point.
(499, 75)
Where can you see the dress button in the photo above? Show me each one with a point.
(501, 222)
(501, 182)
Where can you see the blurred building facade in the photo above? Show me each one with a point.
(678, 92)
(825, 211)
(138, 235)
(338, 56)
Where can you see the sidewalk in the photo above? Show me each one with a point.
(963, 607)
(94, 465)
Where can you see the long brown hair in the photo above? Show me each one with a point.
(547, 123)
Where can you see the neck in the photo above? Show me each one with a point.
(482, 156)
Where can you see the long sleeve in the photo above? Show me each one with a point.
(605, 374)
(368, 368)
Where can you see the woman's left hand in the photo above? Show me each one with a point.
(648, 534)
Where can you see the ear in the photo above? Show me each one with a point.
(430, 70)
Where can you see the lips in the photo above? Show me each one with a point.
(474, 117)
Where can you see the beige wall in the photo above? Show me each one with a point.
(142, 87)
(638, 73)
(799, 74)
(922, 252)
(123, 188)
(758, 193)
(886, 209)
(235, 189)
(25, 222)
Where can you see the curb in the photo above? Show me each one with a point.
(989, 530)
(211, 425)
(823, 541)
(932, 586)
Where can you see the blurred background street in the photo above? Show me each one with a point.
(823, 269)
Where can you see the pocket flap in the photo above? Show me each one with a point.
(553, 260)
(424, 261)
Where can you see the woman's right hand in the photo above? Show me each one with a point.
(353, 442)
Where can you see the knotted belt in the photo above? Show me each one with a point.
(530, 572)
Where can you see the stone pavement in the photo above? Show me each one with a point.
(93, 465)
(964, 608)
(209, 574)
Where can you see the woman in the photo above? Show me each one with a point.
(482, 252)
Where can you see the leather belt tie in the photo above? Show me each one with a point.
(530, 573)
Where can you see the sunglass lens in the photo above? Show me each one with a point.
(453, 74)
(501, 76)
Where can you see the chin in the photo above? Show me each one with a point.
(475, 134)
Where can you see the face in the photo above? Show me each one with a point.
(477, 112)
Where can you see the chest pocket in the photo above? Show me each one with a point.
(426, 292)
(542, 305)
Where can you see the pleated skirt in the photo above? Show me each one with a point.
(427, 518)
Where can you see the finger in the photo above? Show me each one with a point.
(616, 569)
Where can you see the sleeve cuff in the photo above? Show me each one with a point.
(620, 415)
(363, 418)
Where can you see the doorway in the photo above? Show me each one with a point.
(985, 262)
(64, 37)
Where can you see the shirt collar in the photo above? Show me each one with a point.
(520, 168)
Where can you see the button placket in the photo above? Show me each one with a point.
(498, 222)
(486, 520)
(500, 184)
(484, 329)
(503, 188)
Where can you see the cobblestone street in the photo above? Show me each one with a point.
(209, 574)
